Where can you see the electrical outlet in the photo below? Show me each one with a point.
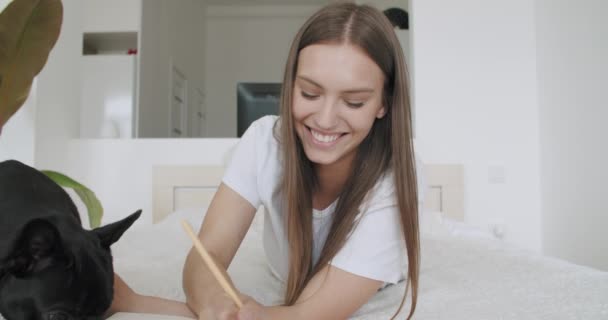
(499, 230)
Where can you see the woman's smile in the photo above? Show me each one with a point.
(323, 139)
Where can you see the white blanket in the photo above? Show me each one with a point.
(461, 278)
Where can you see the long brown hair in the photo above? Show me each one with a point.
(387, 146)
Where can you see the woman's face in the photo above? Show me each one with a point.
(336, 98)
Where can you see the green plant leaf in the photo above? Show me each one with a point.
(29, 30)
(87, 196)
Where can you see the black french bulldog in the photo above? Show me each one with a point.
(51, 268)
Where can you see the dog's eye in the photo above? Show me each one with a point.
(58, 315)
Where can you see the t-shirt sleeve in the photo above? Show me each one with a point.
(241, 172)
(375, 248)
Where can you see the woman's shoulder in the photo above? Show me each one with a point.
(382, 195)
(260, 136)
(264, 125)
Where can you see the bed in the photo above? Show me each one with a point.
(465, 273)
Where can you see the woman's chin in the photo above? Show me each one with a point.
(321, 158)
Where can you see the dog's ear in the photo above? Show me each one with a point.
(37, 248)
(111, 233)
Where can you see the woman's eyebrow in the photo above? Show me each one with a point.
(310, 81)
(357, 90)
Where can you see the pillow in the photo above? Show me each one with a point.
(431, 224)
(192, 215)
(434, 224)
(462, 229)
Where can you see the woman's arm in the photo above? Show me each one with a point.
(331, 294)
(226, 223)
(127, 300)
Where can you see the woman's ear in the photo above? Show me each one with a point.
(381, 113)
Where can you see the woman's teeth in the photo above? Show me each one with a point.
(324, 138)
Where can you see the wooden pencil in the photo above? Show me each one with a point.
(211, 265)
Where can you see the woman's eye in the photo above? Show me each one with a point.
(355, 104)
(309, 96)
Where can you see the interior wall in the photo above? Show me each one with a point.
(476, 103)
(245, 44)
(17, 140)
(172, 35)
(572, 77)
(250, 43)
(112, 15)
(58, 101)
(120, 171)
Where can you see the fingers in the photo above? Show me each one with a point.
(251, 310)
(219, 316)
(246, 313)
(222, 307)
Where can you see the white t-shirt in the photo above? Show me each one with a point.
(375, 248)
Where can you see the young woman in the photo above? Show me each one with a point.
(335, 173)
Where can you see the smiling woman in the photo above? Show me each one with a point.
(335, 173)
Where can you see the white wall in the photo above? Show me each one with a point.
(572, 76)
(120, 171)
(172, 32)
(112, 15)
(245, 44)
(250, 43)
(58, 94)
(17, 138)
(476, 104)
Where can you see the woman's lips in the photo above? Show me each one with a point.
(323, 139)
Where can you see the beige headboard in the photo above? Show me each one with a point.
(445, 190)
(179, 187)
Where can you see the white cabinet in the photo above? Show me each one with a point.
(109, 73)
(107, 100)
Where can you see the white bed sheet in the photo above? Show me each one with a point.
(461, 277)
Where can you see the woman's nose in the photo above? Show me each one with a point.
(327, 115)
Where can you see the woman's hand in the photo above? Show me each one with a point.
(222, 307)
(219, 307)
(251, 310)
(127, 300)
(124, 297)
